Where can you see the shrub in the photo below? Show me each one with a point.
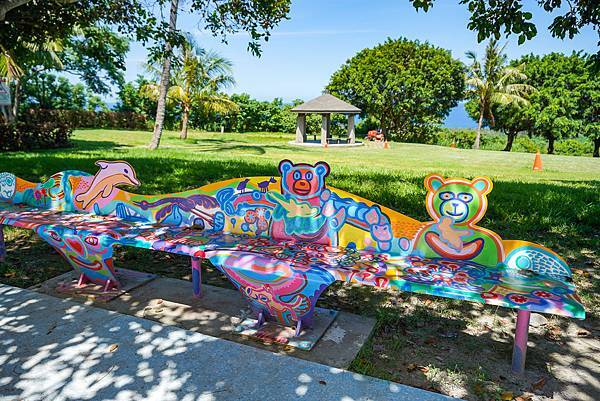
(35, 130)
(574, 147)
(526, 144)
(102, 119)
(461, 138)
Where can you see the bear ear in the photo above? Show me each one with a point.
(483, 185)
(284, 166)
(102, 164)
(322, 169)
(433, 182)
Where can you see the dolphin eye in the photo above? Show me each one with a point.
(297, 175)
(465, 197)
(446, 196)
(309, 176)
(126, 171)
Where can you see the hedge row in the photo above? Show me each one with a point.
(101, 119)
(35, 130)
(46, 129)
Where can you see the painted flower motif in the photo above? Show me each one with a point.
(518, 299)
(489, 295)
(542, 294)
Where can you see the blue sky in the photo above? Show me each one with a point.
(321, 35)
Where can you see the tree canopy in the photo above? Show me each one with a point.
(492, 18)
(409, 87)
(555, 111)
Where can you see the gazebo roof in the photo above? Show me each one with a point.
(326, 104)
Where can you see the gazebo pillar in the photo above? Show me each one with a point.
(301, 128)
(325, 128)
(351, 130)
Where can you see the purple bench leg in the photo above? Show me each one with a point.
(2, 245)
(520, 347)
(196, 276)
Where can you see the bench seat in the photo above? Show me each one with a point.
(502, 286)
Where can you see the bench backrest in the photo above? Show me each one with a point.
(297, 205)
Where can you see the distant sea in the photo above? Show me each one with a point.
(458, 118)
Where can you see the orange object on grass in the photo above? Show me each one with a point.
(537, 162)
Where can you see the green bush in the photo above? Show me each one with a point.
(526, 144)
(574, 147)
(100, 119)
(461, 138)
(36, 129)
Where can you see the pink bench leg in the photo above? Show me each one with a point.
(520, 347)
(2, 245)
(196, 276)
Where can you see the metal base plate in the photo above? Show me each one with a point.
(67, 285)
(270, 332)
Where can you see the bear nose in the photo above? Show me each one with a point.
(455, 204)
(302, 184)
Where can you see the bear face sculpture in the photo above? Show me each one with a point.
(465, 202)
(303, 181)
(456, 205)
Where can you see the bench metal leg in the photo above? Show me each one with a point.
(82, 280)
(261, 319)
(2, 244)
(520, 347)
(196, 276)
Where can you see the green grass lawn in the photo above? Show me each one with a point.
(558, 207)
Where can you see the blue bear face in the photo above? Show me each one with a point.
(303, 181)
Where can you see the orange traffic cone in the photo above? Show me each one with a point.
(386, 145)
(453, 145)
(537, 162)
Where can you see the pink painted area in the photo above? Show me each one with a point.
(520, 347)
(196, 276)
(2, 244)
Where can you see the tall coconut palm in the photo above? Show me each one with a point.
(200, 77)
(197, 78)
(164, 80)
(12, 67)
(493, 83)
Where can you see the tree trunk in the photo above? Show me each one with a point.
(478, 136)
(184, 122)
(15, 108)
(597, 147)
(551, 145)
(164, 81)
(509, 140)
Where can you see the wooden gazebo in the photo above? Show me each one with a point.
(325, 105)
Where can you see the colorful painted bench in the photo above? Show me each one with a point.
(282, 241)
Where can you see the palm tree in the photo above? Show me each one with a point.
(12, 67)
(196, 80)
(164, 80)
(494, 83)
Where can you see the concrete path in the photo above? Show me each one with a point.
(54, 349)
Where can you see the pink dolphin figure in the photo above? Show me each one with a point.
(111, 174)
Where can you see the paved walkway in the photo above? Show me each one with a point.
(53, 349)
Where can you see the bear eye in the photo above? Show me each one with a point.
(297, 175)
(465, 197)
(446, 196)
(309, 176)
